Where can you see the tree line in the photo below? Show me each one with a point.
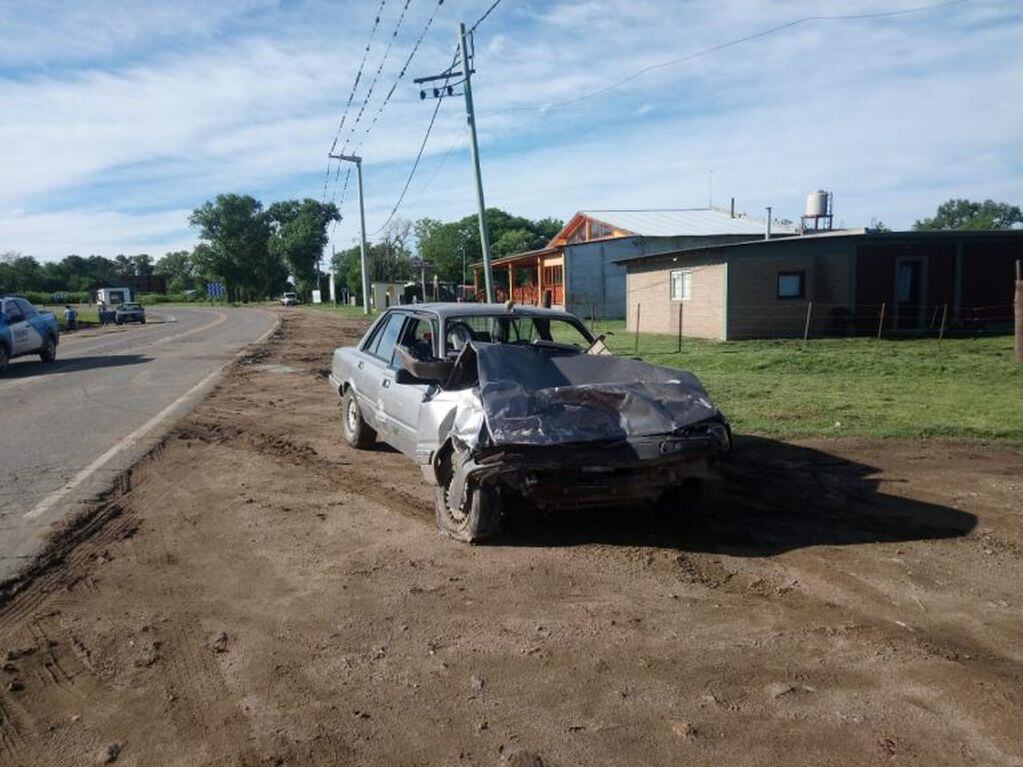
(449, 247)
(258, 252)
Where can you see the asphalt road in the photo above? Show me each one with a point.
(69, 428)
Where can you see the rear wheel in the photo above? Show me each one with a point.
(481, 520)
(49, 351)
(356, 431)
(4, 358)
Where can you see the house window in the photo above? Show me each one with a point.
(791, 284)
(681, 284)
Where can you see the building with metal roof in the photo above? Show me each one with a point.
(854, 281)
(578, 269)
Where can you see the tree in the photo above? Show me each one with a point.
(236, 231)
(444, 243)
(969, 215)
(179, 269)
(299, 234)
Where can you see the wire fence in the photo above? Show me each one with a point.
(803, 320)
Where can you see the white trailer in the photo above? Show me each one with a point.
(114, 296)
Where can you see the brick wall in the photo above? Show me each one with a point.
(754, 309)
(648, 284)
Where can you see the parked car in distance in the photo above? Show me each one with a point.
(500, 403)
(130, 312)
(26, 330)
(289, 299)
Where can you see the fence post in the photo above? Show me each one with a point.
(637, 328)
(806, 327)
(680, 305)
(944, 316)
(1019, 310)
(880, 322)
(593, 317)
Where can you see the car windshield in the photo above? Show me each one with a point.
(513, 330)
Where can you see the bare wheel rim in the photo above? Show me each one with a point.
(455, 515)
(352, 416)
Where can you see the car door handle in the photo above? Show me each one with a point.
(386, 383)
(361, 364)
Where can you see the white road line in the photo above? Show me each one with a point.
(135, 437)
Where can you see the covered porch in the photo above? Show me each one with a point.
(525, 277)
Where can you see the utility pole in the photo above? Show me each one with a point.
(362, 228)
(466, 53)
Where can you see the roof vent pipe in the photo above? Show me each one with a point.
(733, 208)
(767, 232)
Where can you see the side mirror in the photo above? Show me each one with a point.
(417, 371)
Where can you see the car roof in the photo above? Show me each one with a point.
(445, 309)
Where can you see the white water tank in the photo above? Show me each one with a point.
(817, 204)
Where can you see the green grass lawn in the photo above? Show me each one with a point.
(968, 388)
(961, 387)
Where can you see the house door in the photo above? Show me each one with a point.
(910, 293)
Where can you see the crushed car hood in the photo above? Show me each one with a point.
(535, 397)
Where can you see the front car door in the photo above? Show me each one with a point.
(18, 327)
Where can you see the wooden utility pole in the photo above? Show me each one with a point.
(1019, 310)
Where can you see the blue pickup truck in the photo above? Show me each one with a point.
(25, 330)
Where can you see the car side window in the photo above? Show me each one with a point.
(383, 347)
(11, 311)
(26, 308)
(420, 337)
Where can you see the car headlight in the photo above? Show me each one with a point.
(720, 432)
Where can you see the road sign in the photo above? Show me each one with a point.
(215, 290)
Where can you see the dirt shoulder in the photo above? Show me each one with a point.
(262, 594)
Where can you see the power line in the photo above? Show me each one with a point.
(482, 18)
(351, 94)
(419, 156)
(722, 46)
(401, 74)
(376, 75)
(362, 107)
(390, 93)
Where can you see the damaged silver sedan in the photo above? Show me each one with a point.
(520, 404)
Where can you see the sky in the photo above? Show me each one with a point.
(119, 118)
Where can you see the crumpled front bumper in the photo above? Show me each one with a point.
(593, 475)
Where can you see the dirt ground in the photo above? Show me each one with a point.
(257, 593)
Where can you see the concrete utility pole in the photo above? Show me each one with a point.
(470, 114)
(362, 228)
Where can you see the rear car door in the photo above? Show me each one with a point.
(374, 362)
(405, 400)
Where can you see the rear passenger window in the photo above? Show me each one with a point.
(26, 308)
(383, 345)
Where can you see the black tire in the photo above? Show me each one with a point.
(118, 322)
(5, 358)
(354, 428)
(482, 520)
(143, 321)
(49, 351)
